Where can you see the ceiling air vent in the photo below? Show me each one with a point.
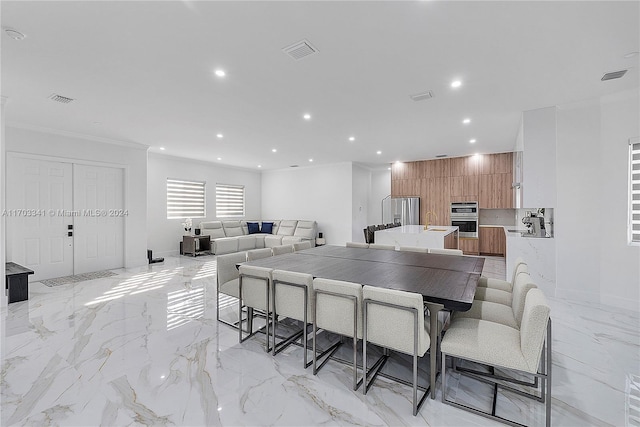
(422, 96)
(300, 50)
(439, 156)
(60, 98)
(613, 75)
(293, 166)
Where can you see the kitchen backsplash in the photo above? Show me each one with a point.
(505, 217)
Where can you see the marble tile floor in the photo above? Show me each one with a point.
(144, 348)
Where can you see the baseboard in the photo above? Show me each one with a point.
(630, 304)
(571, 294)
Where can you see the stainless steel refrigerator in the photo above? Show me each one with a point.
(403, 210)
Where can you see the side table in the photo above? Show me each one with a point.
(16, 282)
(196, 245)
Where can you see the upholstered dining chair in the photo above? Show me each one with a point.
(381, 246)
(503, 297)
(255, 254)
(293, 298)
(338, 309)
(255, 293)
(282, 249)
(227, 283)
(356, 245)
(395, 320)
(300, 246)
(503, 285)
(499, 346)
(413, 249)
(445, 251)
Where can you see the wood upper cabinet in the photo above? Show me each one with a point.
(496, 191)
(434, 197)
(495, 163)
(492, 241)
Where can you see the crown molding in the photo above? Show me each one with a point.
(42, 129)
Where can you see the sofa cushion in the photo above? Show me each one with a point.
(287, 227)
(306, 229)
(246, 243)
(232, 228)
(213, 229)
(266, 228)
(225, 245)
(253, 227)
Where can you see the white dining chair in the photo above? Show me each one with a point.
(282, 249)
(338, 309)
(255, 254)
(255, 293)
(395, 320)
(300, 246)
(503, 285)
(227, 284)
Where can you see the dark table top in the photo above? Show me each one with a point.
(11, 268)
(445, 279)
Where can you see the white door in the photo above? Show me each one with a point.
(38, 208)
(98, 200)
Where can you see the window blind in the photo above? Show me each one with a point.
(634, 187)
(229, 200)
(185, 199)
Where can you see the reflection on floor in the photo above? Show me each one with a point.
(144, 347)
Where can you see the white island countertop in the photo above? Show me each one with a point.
(415, 235)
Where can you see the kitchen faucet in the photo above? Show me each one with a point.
(427, 218)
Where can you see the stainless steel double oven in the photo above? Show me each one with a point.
(464, 215)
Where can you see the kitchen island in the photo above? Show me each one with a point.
(436, 236)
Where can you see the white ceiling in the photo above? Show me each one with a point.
(144, 71)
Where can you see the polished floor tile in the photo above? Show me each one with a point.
(144, 348)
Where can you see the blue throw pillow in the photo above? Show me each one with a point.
(253, 227)
(267, 227)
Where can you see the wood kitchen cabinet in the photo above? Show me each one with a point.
(469, 245)
(495, 191)
(492, 241)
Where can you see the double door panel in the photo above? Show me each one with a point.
(64, 218)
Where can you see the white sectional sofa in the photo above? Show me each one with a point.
(233, 236)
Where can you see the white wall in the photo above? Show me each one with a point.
(3, 100)
(321, 193)
(594, 261)
(380, 188)
(361, 190)
(539, 158)
(165, 234)
(83, 149)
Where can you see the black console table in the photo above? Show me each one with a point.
(17, 282)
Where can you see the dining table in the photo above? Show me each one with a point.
(445, 281)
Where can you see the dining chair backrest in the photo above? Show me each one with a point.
(255, 254)
(282, 249)
(338, 304)
(392, 324)
(445, 251)
(521, 267)
(256, 285)
(226, 269)
(289, 300)
(521, 288)
(300, 246)
(381, 246)
(534, 328)
(356, 245)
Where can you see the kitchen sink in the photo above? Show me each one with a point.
(437, 229)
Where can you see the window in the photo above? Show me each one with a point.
(634, 191)
(185, 199)
(229, 201)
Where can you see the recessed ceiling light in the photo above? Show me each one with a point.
(219, 135)
(378, 152)
(311, 160)
(352, 138)
(162, 148)
(398, 162)
(473, 140)
(388, 169)
(466, 121)
(259, 166)
(16, 35)
(307, 116)
(273, 150)
(456, 83)
(220, 73)
(219, 158)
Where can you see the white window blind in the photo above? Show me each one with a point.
(634, 191)
(229, 200)
(185, 199)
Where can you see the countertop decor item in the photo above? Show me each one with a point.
(187, 224)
